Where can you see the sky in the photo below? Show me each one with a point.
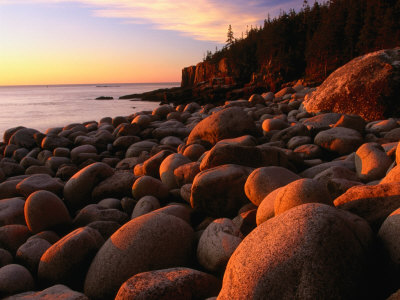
(118, 41)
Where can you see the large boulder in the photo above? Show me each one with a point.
(57, 292)
(15, 279)
(367, 86)
(312, 251)
(149, 242)
(228, 123)
(12, 211)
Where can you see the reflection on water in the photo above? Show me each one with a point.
(42, 107)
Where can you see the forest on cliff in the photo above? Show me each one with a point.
(313, 42)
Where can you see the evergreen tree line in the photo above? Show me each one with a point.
(313, 42)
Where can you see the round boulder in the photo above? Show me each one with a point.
(67, 260)
(40, 182)
(263, 181)
(170, 284)
(219, 191)
(44, 210)
(227, 123)
(217, 243)
(371, 162)
(15, 279)
(78, 190)
(149, 242)
(149, 186)
(12, 211)
(341, 140)
(281, 257)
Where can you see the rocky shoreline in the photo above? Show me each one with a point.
(252, 199)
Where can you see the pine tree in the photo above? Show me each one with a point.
(230, 39)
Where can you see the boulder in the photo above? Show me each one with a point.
(68, 260)
(186, 173)
(149, 242)
(151, 167)
(389, 236)
(263, 181)
(392, 176)
(51, 142)
(13, 236)
(281, 257)
(57, 292)
(78, 190)
(94, 212)
(149, 186)
(145, 205)
(15, 279)
(222, 154)
(367, 86)
(170, 284)
(217, 243)
(266, 209)
(194, 151)
(40, 182)
(137, 148)
(371, 162)
(5, 257)
(299, 192)
(220, 191)
(168, 167)
(30, 252)
(227, 123)
(44, 210)
(117, 185)
(24, 137)
(12, 211)
(341, 140)
(373, 203)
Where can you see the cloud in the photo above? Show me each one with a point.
(200, 19)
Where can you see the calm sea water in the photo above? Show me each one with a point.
(42, 107)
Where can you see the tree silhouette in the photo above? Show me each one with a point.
(230, 39)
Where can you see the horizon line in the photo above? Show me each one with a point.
(97, 83)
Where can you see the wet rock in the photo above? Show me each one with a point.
(149, 242)
(169, 284)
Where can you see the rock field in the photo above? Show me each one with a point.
(254, 199)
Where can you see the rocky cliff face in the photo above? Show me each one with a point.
(208, 73)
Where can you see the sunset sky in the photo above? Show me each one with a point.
(117, 41)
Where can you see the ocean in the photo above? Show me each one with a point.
(41, 107)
